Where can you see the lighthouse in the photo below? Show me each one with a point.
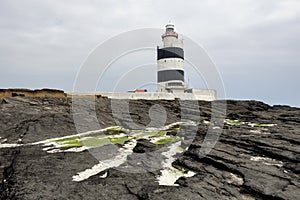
(170, 63)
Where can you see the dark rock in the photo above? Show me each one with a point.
(173, 133)
(3, 101)
(144, 145)
(246, 162)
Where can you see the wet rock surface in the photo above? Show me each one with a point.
(256, 156)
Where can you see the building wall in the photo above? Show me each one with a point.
(172, 42)
(206, 95)
(164, 64)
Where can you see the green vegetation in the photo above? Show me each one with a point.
(160, 134)
(167, 140)
(95, 142)
(143, 134)
(114, 130)
(180, 149)
(114, 135)
(72, 143)
(91, 142)
(175, 127)
(67, 142)
(119, 140)
(66, 139)
(150, 134)
(233, 122)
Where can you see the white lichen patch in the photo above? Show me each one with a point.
(247, 197)
(170, 174)
(207, 122)
(80, 176)
(106, 164)
(216, 127)
(74, 150)
(176, 124)
(104, 175)
(267, 161)
(3, 141)
(9, 145)
(261, 125)
(259, 132)
(234, 179)
(233, 122)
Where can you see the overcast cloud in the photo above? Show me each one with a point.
(254, 43)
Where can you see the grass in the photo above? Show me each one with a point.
(143, 134)
(95, 142)
(91, 142)
(72, 143)
(114, 130)
(119, 140)
(175, 127)
(160, 134)
(68, 142)
(66, 139)
(167, 140)
(150, 134)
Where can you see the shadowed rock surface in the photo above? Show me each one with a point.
(251, 160)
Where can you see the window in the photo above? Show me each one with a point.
(176, 84)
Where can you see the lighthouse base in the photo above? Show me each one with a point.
(193, 94)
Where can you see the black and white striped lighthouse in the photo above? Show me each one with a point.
(170, 63)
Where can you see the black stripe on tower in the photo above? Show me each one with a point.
(170, 52)
(170, 75)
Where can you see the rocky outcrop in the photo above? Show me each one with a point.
(4, 93)
(256, 156)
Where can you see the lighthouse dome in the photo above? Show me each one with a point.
(170, 31)
(170, 27)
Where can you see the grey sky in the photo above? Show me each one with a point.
(254, 43)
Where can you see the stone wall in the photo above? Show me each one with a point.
(32, 93)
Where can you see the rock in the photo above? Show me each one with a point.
(144, 146)
(3, 101)
(173, 133)
(247, 162)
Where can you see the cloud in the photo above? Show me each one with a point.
(43, 43)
